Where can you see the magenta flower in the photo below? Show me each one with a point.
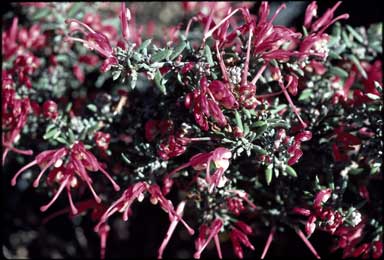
(79, 160)
(14, 113)
(50, 109)
(136, 192)
(205, 236)
(102, 140)
(240, 237)
(21, 40)
(93, 40)
(205, 103)
(171, 229)
(125, 17)
(220, 157)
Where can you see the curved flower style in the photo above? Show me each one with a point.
(220, 157)
(15, 113)
(136, 192)
(205, 236)
(79, 160)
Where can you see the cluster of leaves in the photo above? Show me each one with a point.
(182, 118)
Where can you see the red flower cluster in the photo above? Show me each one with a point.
(67, 171)
(330, 219)
(14, 112)
(202, 161)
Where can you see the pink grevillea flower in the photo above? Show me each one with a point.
(125, 17)
(136, 192)
(50, 109)
(239, 236)
(269, 241)
(171, 148)
(294, 150)
(94, 40)
(220, 157)
(171, 229)
(205, 236)
(95, 21)
(23, 66)
(316, 41)
(79, 160)
(102, 140)
(321, 24)
(235, 205)
(222, 94)
(350, 238)
(330, 219)
(21, 40)
(206, 105)
(344, 142)
(306, 242)
(14, 113)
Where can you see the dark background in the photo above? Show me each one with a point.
(24, 235)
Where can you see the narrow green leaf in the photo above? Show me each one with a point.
(346, 39)
(259, 150)
(62, 140)
(268, 174)
(259, 123)
(355, 34)
(74, 9)
(334, 55)
(125, 158)
(373, 96)
(239, 122)
(305, 94)
(71, 136)
(116, 74)
(159, 82)
(68, 108)
(338, 72)
(41, 13)
(51, 133)
(92, 107)
(208, 55)
(161, 55)
(355, 61)
(178, 50)
(290, 171)
(144, 46)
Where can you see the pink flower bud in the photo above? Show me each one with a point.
(360, 250)
(310, 226)
(303, 136)
(377, 249)
(102, 140)
(244, 227)
(301, 211)
(322, 197)
(50, 109)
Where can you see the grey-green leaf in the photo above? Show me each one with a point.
(268, 174)
(159, 82)
(161, 55)
(290, 171)
(356, 61)
(338, 72)
(178, 50)
(208, 55)
(92, 107)
(239, 122)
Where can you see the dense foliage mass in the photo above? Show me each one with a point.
(233, 125)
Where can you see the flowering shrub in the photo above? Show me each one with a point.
(235, 126)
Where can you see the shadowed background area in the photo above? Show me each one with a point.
(25, 235)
